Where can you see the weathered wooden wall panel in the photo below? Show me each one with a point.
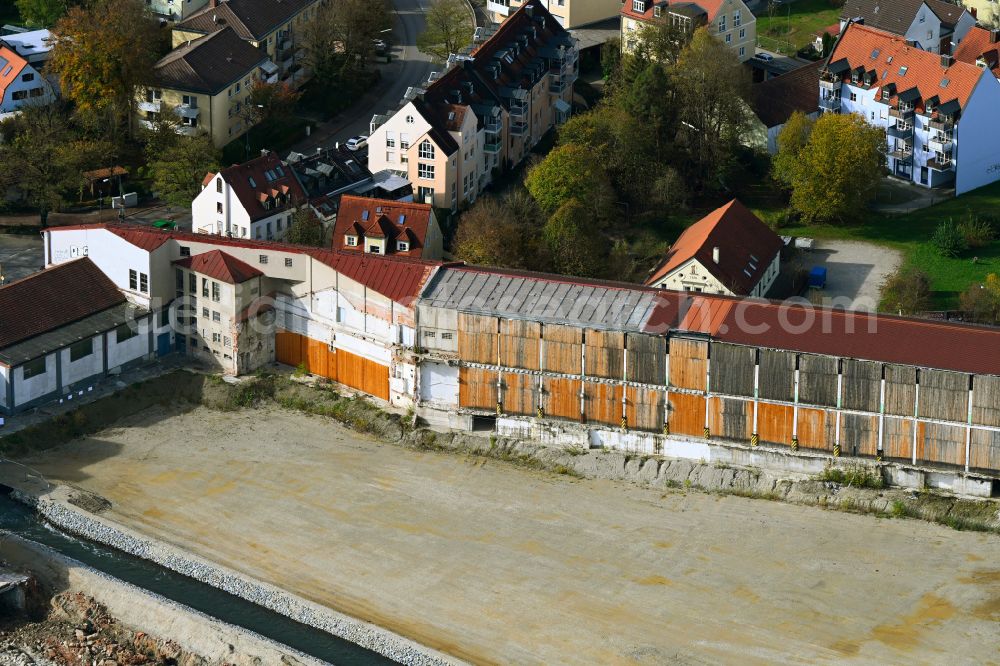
(944, 395)
(900, 390)
(858, 435)
(943, 443)
(362, 374)
(647, 358)
(774, 423)
(519, 394)
(477, 388)
(477, 338)
(561, 397)
(730, 418)
(817, 428)
(605, 351)
(818, 380)
(732, 369)
(687, 414)
(984, 450)
(986, 400)
(563, 349)
(288, 348)
(644, 408)
(862, 385)
(777, 375)
(688, 363)
(376, 381)
(603, 403)
(897, 439)
(520, 343)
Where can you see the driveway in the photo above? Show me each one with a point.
(855, 271)
(20, 256)
(409, 67)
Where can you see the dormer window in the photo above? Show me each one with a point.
(639, 6)
(402, 246)
(352, 241)
(656, 12)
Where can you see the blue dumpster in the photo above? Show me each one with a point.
(817, 277)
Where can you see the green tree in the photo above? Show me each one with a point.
(839, 171)
(663, 41)
(339, 40)
(981, 301)
(792, 141)
(949, 239)
(178, 171)
(272, 102)
(42, 13)
(572, 246)
(713, 87)
(103, 52)
(569, 172)
(449, 28)
(306, 228)
(906, 291)
(652, 101)
(499, 232)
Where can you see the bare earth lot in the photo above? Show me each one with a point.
(493, 563)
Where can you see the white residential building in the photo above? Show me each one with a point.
(930, 25)
(21, 83)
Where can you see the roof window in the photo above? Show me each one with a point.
(253, 183)
(402, 218)
(875, 53)
(364, 214)
(945, 82)
(902, 70)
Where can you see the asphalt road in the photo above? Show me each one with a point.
(409, 67)
(20, 256)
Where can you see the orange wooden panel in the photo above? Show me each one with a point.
(644, 408)
(316, 357)
(561, 398)
(519, 394)
(376, 379)
(730, 418)
(687, 414)
(477, 388)
(816, 429)
(350, 370)
(288, 348)
(603, 403)
(774, 423)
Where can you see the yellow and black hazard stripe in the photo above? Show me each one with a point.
(836, 450)
(795, 443)
(754, 439)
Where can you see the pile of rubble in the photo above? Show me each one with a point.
(79, 632)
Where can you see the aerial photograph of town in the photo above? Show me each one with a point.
(442, 332)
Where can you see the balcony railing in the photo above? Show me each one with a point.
(518, 110)
(943, 124)
(498, 7)
(150, 106)
(901, 131)
(903, 153)
(941, 162)
(940, 142)
(830, 103)
(493, 146)
(188, 111)
(518, 128)
(901, 113)
(830, 85)
(493, 126)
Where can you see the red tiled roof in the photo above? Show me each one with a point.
(270, 177)
(980, 43)
(378, 216)
(710, 7)
(221, 266)
(53, 298)
(895, 62)
(775, 100)
(11, 70)
(740, 236)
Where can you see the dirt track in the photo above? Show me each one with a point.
(493, 563)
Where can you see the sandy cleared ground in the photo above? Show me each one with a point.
(493, 563)
(855, 271)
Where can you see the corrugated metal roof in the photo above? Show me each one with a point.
(541, 298)
(221, 266)
(397, 278)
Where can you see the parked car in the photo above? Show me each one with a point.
(356, 142)
(764, 57)
(381, 47)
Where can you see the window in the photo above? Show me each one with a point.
(216, 337)
(639, 6)
(19, 94)
(743, 34)
(28, 77)
(390, 139)
(743, 51)
(216, 292)
(854, 97)
(425, 171)
(218, 207)
(402, 246)
(133, 280)
(143, 283)
(447, 336)
(192, 283)
(430, 334)
(204, 313)
(729, 38)
(218, 186)
(279, 224)
(390, 156)
(179, 281)
(352, 241)
(185, 251)
(164, 317)
(409, 120)
(227, 341)
(204, 287)
(34, 367)
(216, 316)
(81, 349)
(426, 150)
(722, 24)
(126, 331)
(374, 249)
(262, 258)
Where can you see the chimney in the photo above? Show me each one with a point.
(264, 152)
(715, 254)
(529, 9)
(994, 36)
(947, 60)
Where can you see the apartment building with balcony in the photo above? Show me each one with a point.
(203, 86)
(570, 14)
(273, 26)
(482, 115)
(730, 21)
(939, 114)
(930, 25)
(175, 10)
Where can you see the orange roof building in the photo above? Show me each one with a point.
(20, 83)
(730, 251)
(938, 111)
(378, 226)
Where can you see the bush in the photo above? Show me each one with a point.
(907, 291)
(857, 475)
(948, 239)
(978, 231)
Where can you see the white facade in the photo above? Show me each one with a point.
(176, 10)
(215, 212)
(128, 266)
(692, 275)
(30, 87)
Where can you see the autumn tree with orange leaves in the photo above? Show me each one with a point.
(103, 51)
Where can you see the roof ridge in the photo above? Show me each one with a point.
(41, 272)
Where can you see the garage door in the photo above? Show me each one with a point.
(439, 383)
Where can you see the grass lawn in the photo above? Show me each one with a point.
(795, 22)
(911, 233)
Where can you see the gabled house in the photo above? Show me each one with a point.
(938, 113)
(274, 27)
(570, 14)
(730, 251)
(774, 100)
(255, 199)
(377, 226)
(931, 25)
(729, 21)
(483, 114)
(204, 86)
(20, 82)
(981, 47)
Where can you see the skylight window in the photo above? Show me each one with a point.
(875, 53)
(888, 60)
(402, 218)
(902, 70)
(945, 82)
(253, 183)
(364, 214)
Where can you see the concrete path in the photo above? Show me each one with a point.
(497, 564)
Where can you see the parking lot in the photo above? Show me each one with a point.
(855, 271)
(20, 255)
